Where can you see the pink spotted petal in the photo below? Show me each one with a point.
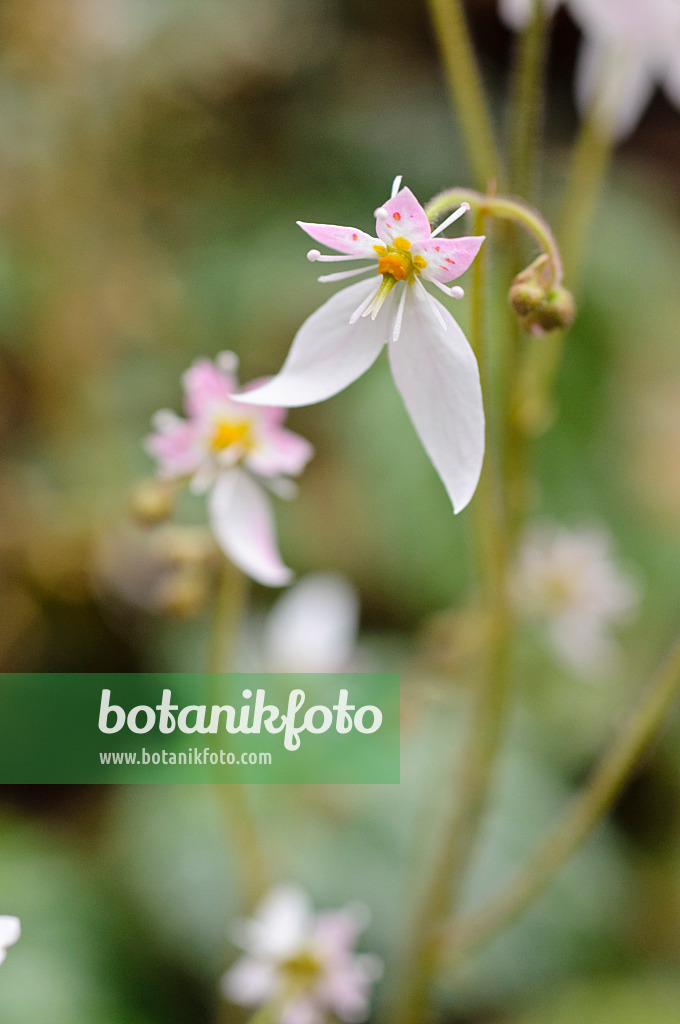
(448, 258)
(280, 452)
(350, 241)
(243, 523)
(406, 218)
(436, 372)
(328, 353)
(205, 385)
(176, 445)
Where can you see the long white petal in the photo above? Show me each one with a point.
(436, 372)
(243, 523)
(10, 931)
(313, 626)
(327, 353)
(614, 82)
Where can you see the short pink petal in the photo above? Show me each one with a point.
(204, 385)
(448, 258)
(280, 453)
(328, 353)
(243, 523)
(436, 372)
(406, 217)
(350, 241)
(176, 446)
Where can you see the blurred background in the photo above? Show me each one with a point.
(154, 156)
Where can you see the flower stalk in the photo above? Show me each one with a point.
(527, 100)
(579, 820)
(467, 90)
(242, 832)
(474, 773)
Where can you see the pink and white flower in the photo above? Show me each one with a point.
(301, 964)
(233, 454)
(10, 932)
(570, 581)
(433, 365)
(629, 47)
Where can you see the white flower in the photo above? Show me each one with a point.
(233, 454)
(433, 366)
(302, 964)
(569, 580)
(10, 932)
(629, 47)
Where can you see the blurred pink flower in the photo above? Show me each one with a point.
(10, 932)
(629, 47)
(433, 366)
(569, 580)
(233, 454)
(302, 964)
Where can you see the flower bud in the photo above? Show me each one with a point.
(153, 501)
(540, 304)
(184, 593)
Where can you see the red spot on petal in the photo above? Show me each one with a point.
(397, 216)
(437, 248)
(354, 235)
(449, 260)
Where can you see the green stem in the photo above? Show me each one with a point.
(527, 100)
(586, 177)
(241, 828)
(589, 165)
(580, 818)
(467, 90)
(503, 209)
(473, 780)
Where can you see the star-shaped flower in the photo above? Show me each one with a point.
(301, 964)
(432, 363)
(233, 453)
(570, 581)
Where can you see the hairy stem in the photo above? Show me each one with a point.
(527, 100)
(467, 90)
(502, 208)
(241, 829)
(579, 820)
(489, 703)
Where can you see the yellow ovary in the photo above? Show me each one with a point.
(396, 260)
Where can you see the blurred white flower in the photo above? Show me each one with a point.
(302, 964)
(569, 580)
(312, 627)
(629, 47)
(10, 931)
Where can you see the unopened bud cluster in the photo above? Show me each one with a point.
(540, 303)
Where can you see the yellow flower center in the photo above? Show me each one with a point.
(302, 970)
(397, 261)
(227, 432)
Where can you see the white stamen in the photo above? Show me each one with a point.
(463, 208)
(342, 274)
(367, 301)
(227, 361)
(455, 292)
(396, 330)
(396, 185)
(314, 256)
